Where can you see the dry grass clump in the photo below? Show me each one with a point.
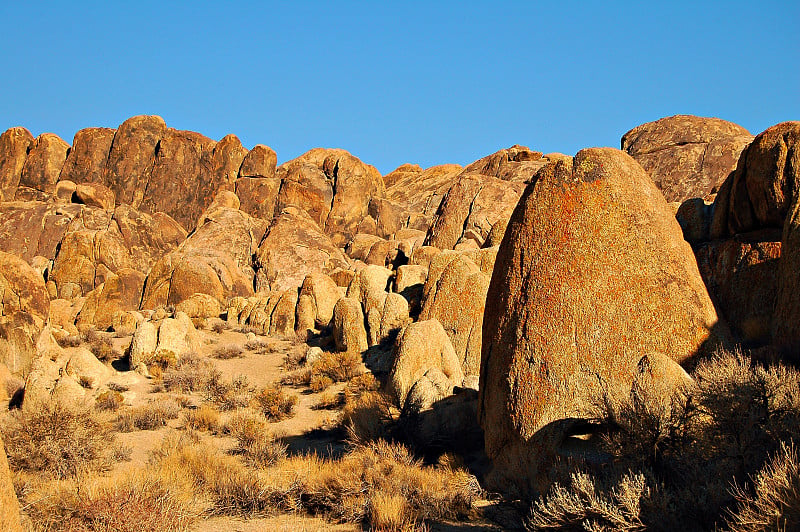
(58, 440)
(774, 501)
(205, 418)
(368, 417)
(150, 416)
(133, 502)
(101, 346)
(229, 395)
(274, 403)
(190, 374)
(228, 351)
(72, 340)
(329, 400)
(109, 400)
(360, 487)
(339, 367)
(675, 460)
(220, 326)
(255, 441)
(318, 383)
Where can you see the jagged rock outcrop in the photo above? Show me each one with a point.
(43, 163)
(24, 309)
(14, 146)
(593, 272)
(86, 161)
(471, 207)
(292, 248)
(517, 163)
(687, 156)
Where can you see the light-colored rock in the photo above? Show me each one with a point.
(348, 326)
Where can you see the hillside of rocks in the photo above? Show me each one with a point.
(494, 302)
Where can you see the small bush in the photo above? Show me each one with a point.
(339, 367)
(297, 378)
(274, 403)
(109, 400)
(220, 326)
(296, 357)
(255, 441)
(68, 340)
(390, 511)
(116, 387)
(150, 416)
(257, 344)
(103, 348)
(319, 383)
(226, 352)
(205, 418)
(368, 417)
(366, 382)
(230, 395)
(190, 374)
(329, 400)
(57, 440)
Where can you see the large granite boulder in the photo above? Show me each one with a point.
(24, 309)
(14, 146)
(44, 162)
(517, 163)
(216, 260)
(34, 228)
(593, 272)
(86, 161)
(294, 247)
(687, 156)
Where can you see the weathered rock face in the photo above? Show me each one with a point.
(261, 161)
(293, 248)
(43, 164)
(87, 158)
(741, 273)
(517, 163)
(422, 347)
(270, 313)
(14, 146)
(687, 156)
(24, 311)
(9, 507)
(118, 292)
(97, 242)
(131, 158)
(215, 260)
(786, 319)
(469, 210)
(593, 271)
(764, 186)
(258, 196)
(455, 295)
(30, 229)
(324, 293)
(420, 191)
(348, 326)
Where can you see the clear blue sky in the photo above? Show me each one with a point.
(395, 82)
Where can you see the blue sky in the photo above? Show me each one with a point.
(420, 82)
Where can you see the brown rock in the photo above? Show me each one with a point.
(764, 186)
(14, 146)
(348, 326)
(306, 187)
(471, 207)
(694, 217)
(9, 507)
(325, 293)
(360, 245)
(422, 192)
(95, 195)
(593, 272)
(24, 312)
(200, 305)
(786, 319)
(215, 260)
(44, 162)
(421, 347)
(293, 248)
(305, 314)
(258, 195)
(118, 292)
(131, 158)
(86, 161)
(455, 295)
(687, 156)
(261, 161)
(517, 163)
(404, 172)
(741, 273)
(226, 158)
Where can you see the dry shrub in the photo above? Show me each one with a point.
(205, 418)
(71, 340)
(245, 329)
(389, 511)
(296, 357)
(103, 348)
(366, 382)
(150, 416)
(274, 403)
(227, 352)
(14, 385)
(133, 502)
(319, 383)
(329, 400)
(229, 395)
(109, 400)
(262, 346)
(774, 501)
(297, 378)
(116, 387)
(367, 417)
(339, 367)
(689, 449)
(255, 441)
(58, 440)
(190, 374)
(219, 326)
